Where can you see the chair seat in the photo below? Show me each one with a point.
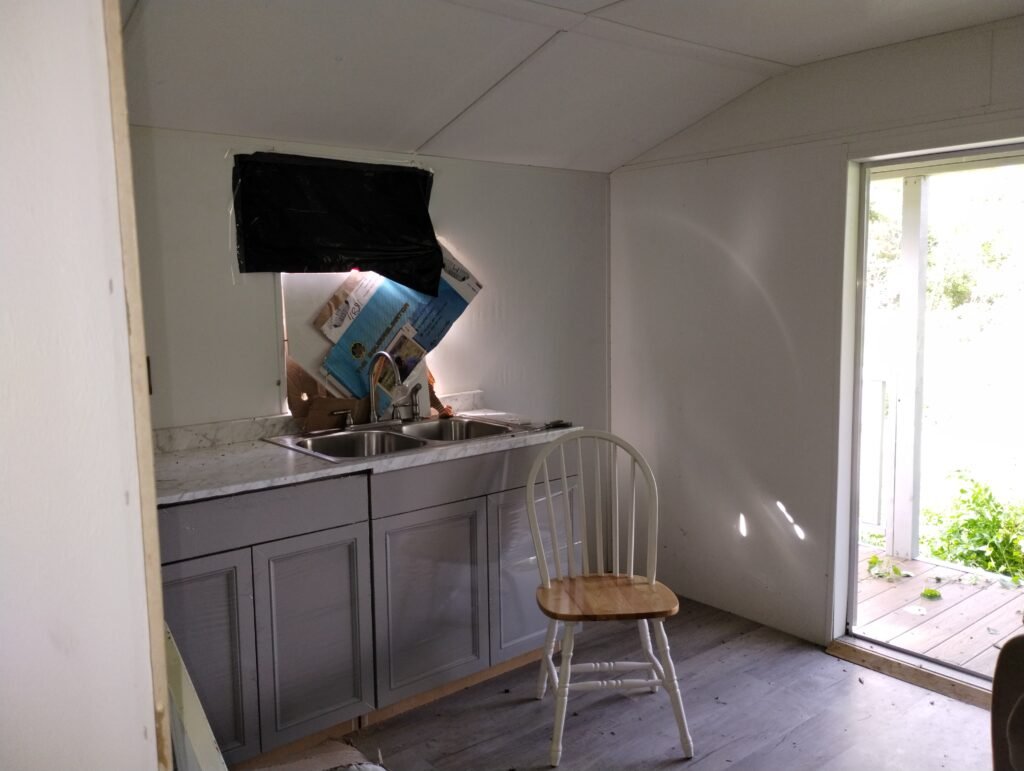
(606, 598)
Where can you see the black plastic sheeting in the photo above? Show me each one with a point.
(296, 214)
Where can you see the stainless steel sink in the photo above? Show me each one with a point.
(351, 444)
(389, 437)
(452, 429)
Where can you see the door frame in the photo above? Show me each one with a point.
(861, 173)
(113, 28)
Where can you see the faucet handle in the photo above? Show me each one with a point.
(414, 401)
(405, 402)
(399, 399)
(345, 415)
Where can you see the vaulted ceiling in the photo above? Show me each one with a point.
(577, 84)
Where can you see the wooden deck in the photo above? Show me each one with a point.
(966, 626)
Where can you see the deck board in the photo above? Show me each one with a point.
(894, 594)
(992, 628)
(916, 612)
(966, 627)
(945, 625)
(985, 662)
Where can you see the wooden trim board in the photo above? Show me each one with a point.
(380, 715)
(288, 752)
(139, 377)
(282, 754)
(950, 682)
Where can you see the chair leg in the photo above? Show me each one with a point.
(645, 644)
(562, 695)
(547, 665)
(672, 687)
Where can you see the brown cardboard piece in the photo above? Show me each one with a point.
(319, 415)
(309, 399)
(302, 389)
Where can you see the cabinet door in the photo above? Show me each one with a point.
(313, 627)
(209, 609)
(517, 625)
(430, 595)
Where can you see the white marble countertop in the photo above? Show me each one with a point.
(192, 475)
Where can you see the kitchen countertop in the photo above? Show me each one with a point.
(192, 475)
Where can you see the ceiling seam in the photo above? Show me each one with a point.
(832, 137)
(489, 89)
(705, 46)
(748, 60)
(635, 163)
(604, 7)
(528, 16)
(635, 160)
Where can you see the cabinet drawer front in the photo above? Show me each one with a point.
(313, 626)
(455, 480)
(208, 608)
(193, 529)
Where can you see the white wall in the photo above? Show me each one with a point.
(728, 298)
(535, 339)
(213, 335)
(75, 671)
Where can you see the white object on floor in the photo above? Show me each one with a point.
(192, 740)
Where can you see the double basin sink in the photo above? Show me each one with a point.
(388, 437)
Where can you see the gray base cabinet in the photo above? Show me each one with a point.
(277, 636)
(516, 624)
(209, 609)
(270, 598)
(313, 632)
(430, 596)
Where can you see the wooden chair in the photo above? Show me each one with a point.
(610, 583)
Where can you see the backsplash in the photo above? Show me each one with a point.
(463, 401)
(204, 435)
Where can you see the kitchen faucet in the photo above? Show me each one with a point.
(409, 398)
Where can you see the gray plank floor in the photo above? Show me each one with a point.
(755, 699)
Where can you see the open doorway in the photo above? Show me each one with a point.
(940, 503)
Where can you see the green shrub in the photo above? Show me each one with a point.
(873, 538)
(979, 531)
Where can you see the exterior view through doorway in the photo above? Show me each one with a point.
(939, 498)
